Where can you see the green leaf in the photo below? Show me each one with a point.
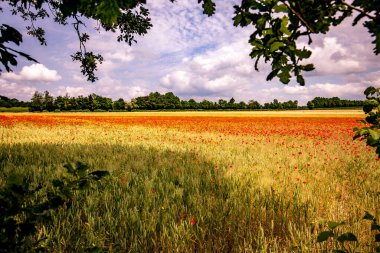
(284, 76)
(370, 91)
(276, 45)
(308, 67)
(377, 238)
(272, 74)
(285, 30)
(323, 236)
(82, 169)
(280, 8)
(70, 169)
(368, 216)
(377, 249)
(350, 237)
(375, 226)
(99, 174)
(208, 7)
(333, 224)
(301, 80)
(237, 19)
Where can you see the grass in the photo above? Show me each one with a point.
(14, 109)
(206, 182)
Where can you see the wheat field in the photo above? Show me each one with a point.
(200, 181)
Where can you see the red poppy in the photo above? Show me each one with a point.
(193, 221)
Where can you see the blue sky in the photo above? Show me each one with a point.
(193, 56)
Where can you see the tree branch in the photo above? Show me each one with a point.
(299, 16)
(357, 9)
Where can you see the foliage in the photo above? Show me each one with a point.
(278, 105)
(371, 131)
(26, 207)
(341, 241)
(157, 101)
(7, 54)
(281, 25)
(37, 102)
(154, 101)
(12, 102)
(310, 105)
(321, 102)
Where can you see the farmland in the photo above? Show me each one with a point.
(184, 182)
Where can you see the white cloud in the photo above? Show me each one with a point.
(123, 56)
(224, 71)
(333, 59)
(35, 72)
(73, 91)
(15, 90)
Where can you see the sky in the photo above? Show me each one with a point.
(191, 55)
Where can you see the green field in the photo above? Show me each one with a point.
(14, 109)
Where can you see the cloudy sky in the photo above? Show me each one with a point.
(193, 56)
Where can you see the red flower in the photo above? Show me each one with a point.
(193, 221)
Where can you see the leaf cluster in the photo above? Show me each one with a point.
(8, 55)
(371, 131)
(25, 207)
(280, 25)
(342, 240)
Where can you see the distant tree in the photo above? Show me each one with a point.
(131, 105)
(118, 104)
(252, 104)
(206, 105)
(241, 105)
(185, 104)
(275, 104)
(5, 102)
(37, 102)
(231, 104)
(320, 102)
(170, 101)
(310, 105)
(193, 104)
(59, 103)
(222, 103)
(48, 102)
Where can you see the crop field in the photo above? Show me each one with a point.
(200, 182)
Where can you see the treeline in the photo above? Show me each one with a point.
(46, 102)
(12, 102)
(333, 102)
(156, 101)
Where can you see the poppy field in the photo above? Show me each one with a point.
(199, 182)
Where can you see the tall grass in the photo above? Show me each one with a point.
(178, 191)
